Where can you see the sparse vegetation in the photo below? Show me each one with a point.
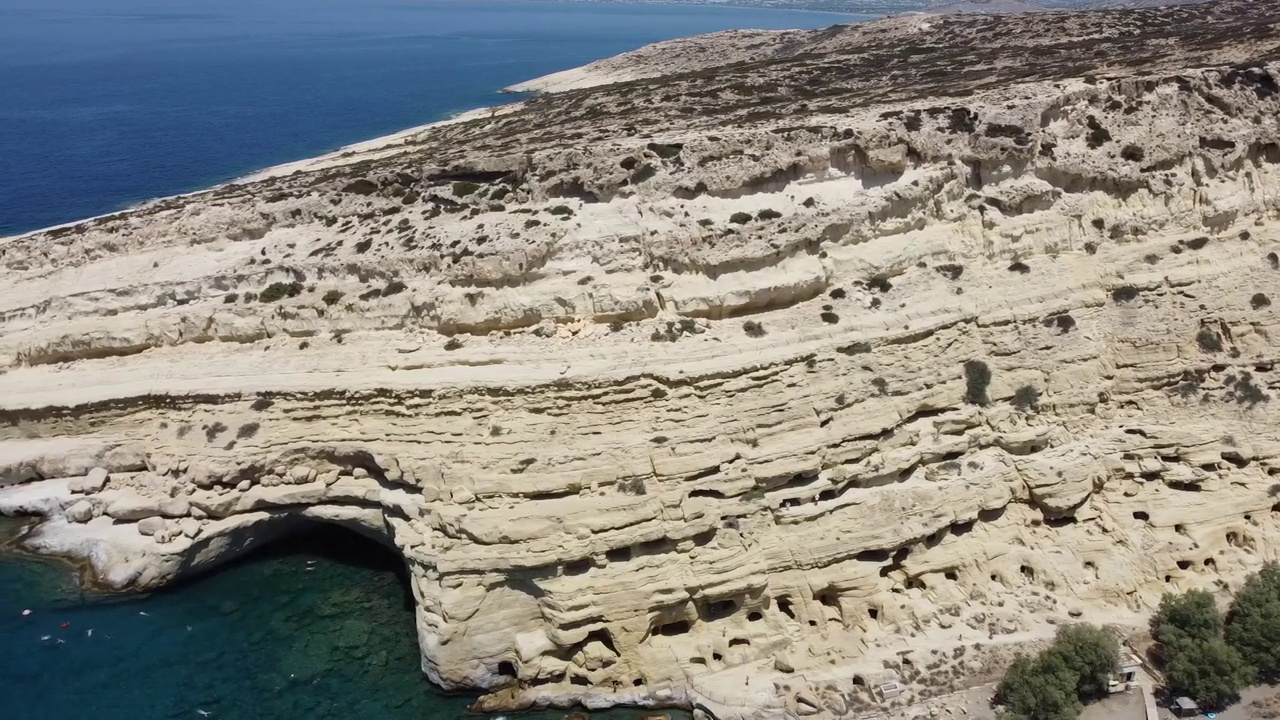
(768, 214)
(740, 218)
(829, 317)
(1245, 391)
(395, 287)
(280, 290)
(532, 223)
(261, 404)
(1026, 399)
(658, 393)
(561, 211)
(1064, 322)
(453, 344)
(1020, 268)
(1098, 135)
(247, 430)
(213, 431)
(1259, 301)
(230, 298)
(838, 294)
(634, 486)
(332, 297)
(1209, 341)
(977, 377)
(754, 329)
(881, 385)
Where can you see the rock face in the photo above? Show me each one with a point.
(750, 387)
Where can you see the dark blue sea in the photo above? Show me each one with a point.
(104, 103)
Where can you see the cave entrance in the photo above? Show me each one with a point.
(316, 543)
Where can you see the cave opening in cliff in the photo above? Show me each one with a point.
(317, 543)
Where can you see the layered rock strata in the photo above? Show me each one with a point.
(748, 387)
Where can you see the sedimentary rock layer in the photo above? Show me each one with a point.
(747, 387)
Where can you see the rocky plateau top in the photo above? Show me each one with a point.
(745, 372)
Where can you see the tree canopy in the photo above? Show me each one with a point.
(1208, 671)
(1253, 623)
(1182, 617)
(1051, 686)
(1198, 663)
(1043, 688)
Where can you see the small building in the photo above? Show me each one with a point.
(889, 690)
(1126, 678)
(1185, 707)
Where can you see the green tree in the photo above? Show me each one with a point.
(1208, 671)
(1253, 624)
(1092, 654)
(1043, 688)
(1184, 617)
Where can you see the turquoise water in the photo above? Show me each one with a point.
(104, 103)
(320, 627)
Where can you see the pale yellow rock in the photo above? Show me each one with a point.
(709, 394)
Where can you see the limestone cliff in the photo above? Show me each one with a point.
(748, 387)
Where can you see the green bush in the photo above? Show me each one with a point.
(977, 377)
(463, 188)
(754, 329)
(332, 297)
(740, 218)
(768, 214)
(1253, 623)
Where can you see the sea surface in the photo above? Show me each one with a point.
(104, 103)
(320, 627)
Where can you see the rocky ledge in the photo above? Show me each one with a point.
(864, 357)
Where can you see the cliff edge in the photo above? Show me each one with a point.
(867, 354)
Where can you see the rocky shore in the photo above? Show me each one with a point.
(791, 365)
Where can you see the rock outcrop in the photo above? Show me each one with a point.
(748, 387)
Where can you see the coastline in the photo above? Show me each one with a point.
(372, 147)
(344, 155)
